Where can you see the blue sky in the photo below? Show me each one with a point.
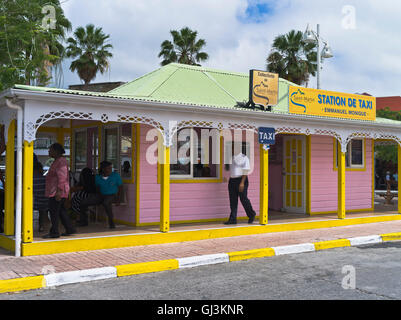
(257, 12)
(362, 33)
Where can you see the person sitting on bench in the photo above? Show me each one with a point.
(109, 188)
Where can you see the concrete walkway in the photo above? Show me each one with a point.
(12, 268)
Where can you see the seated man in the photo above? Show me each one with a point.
(108, 185)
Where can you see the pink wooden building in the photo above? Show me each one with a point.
(317, 166)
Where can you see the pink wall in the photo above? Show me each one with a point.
(358, 184)
(126, 212)
(190, 201)
(198, 201)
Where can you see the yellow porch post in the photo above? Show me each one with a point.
(10, 173)
(341, 183)
(60, 136)
(399, 181)
(264, 185)
(165, 188)
(27, 191)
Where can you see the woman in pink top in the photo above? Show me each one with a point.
(57, 189)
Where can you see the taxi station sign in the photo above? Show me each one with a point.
(331, 104)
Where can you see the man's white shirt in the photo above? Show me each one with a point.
(240, 166)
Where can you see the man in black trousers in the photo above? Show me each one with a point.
(238, 186)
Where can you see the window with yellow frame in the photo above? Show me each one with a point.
(196, 156)
(114, 142)
(355, 156)
(118, 148)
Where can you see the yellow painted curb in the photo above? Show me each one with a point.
(332, 244)
(109, 242)
(249, 254)
(146, 267)
(391, 236)
(28, 283)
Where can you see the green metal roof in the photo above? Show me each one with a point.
(184, 84)
(193, 86)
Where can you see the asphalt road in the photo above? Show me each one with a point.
(369, 272)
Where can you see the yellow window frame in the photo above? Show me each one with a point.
(194, 180)
(361, 168)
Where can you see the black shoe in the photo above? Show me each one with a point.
(251, 219)
(230, 222)
(49, 235)
(68, 233)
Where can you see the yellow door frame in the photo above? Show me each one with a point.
(399, 180)
(9, 195)
(291, 182)
(27, 192)
(341, 183)
(137, 175)
(164, 188)
(264, 185)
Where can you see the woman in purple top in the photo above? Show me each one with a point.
(57, 190)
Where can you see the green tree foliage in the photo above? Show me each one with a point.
(90, 47)
(387, 153)
(185, 48)
(28, 50)
(292, 59)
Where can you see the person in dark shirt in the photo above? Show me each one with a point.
(82, 190)
(109, 188)
(40, 202)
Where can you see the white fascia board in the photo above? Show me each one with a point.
(68, 98)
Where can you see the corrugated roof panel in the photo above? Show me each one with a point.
(186, 86)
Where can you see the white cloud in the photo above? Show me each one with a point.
(365, 57)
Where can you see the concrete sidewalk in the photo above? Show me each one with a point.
(28, 272)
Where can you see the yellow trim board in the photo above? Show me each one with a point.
(322, 245)
(108, 242)
(27, 200)
(308, 175)
(7, 243)
(189, 221)
(249, 254)
(9, 193)
(20, 284)
(137, 171)
(391, 236)
(346, 211)
(146, 267)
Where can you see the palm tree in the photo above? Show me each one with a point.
(91, 49)
(185, 48)
(292, 59)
